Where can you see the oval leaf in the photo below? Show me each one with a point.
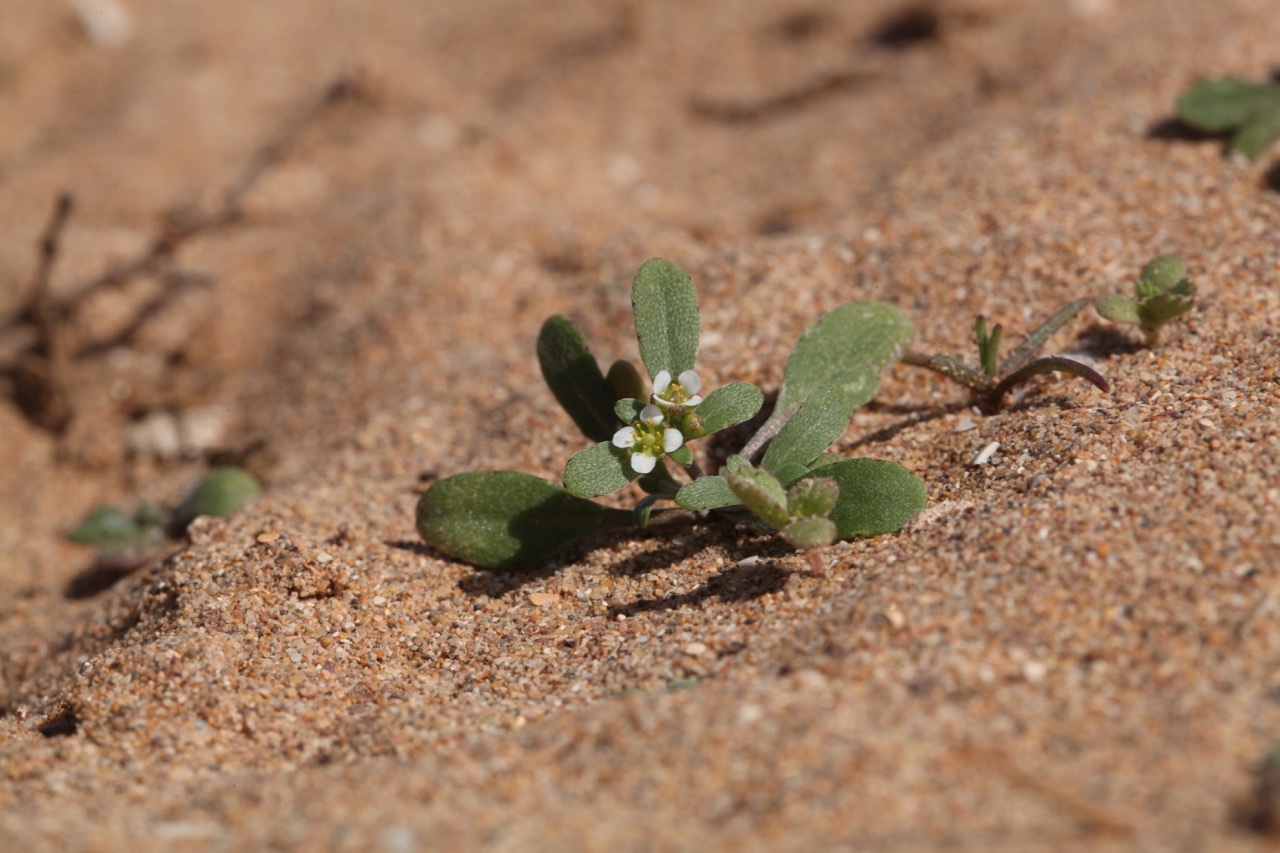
(849, 347)
(222, 492)
(666, 313)
(876, 496)
(501, 519)
(805, 533)
(821, 420)
(598, 470)
(706, 493)
(730, 405)
(574, 377)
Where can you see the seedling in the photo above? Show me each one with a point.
(130, 540)
(645, 431)
(1250, 112)
(1162, 291)
(994, 379)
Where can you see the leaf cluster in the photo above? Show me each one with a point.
(1248, 111)
(121, 536)
(1161, 293)
(507, 519)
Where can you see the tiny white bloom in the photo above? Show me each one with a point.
(682, 392)
(648, 439)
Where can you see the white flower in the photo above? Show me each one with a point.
(649, 439)
(682, 392)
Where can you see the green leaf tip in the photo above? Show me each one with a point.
(574, 377)
(807, 533)
(1160, 275)
(507, 519)
(665, 304)
(729, 405)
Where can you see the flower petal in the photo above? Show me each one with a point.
(671, 439)
(692, 401)
(661, 382)
(651, 414)
(625, 438)
(643, 463)
(690, 382)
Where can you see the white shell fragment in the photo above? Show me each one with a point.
(985, 454)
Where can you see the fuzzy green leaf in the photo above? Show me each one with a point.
(1258, 134)
(812, 497)
(599, 470)
(761, 492)
(849, 347)
(1160, 275)
(222, 492)
(818, 422)
(682, 455)
(502, 519)
(574, 377)
(1155, 312)
(665, 304)
(628, 410)
(876, 496)
(729, 405)
(706, 493)
(806, 533)
(1119, 309)
(1226, 103)
(104, 526)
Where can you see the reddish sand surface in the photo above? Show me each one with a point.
(322, 236)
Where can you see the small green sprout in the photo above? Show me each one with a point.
(133, 539)
(1250, 112)
(644, 432)
(992, 382)
(1163, 293)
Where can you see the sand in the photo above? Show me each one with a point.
(332, 230)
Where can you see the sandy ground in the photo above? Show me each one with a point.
(331, 231)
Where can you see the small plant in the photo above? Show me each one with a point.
(132, 539)
(644, 434)
(1162, 291)
(1250, 112)
(994, 379)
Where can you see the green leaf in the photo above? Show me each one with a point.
(502, 519)
(821, 420)
(849, 347)
(628, 410)
(1159, 310)
(682, 455)
(812, 497)
(222, 492)
(1035, 341)
(729, 405)
(761, 492)
(1220, 105)
(988, 345)
(806, 533)
(1160, 275)
(640, 514)
(574, 377)
(106, 525)
(876, 496)
(1119, 309)
(1257, 134)
(598, 470)
(706, 493)
(665, 304)
(624, 380)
